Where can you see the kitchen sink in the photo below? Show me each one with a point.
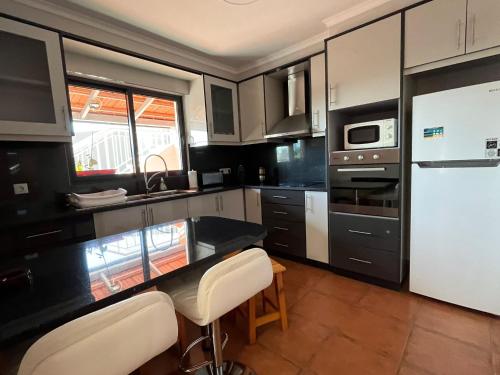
(159, 194)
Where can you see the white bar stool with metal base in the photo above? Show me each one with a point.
(116, 340)
(221, 289)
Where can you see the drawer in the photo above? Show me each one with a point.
(368, 261)
(283, 212)
(285, 243)
(285, 228)
(374, 232)
(292, 197)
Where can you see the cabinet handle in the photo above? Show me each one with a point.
(262, 126)
(143, 214)
(309, 200)
(315, 124)
(361, 260)
(333, 94)
(67, 121)
(44, 234)
(280, 228)
(280, 244)
(279, 197)
(459, 33)
(257, 197)
(280, 212)
(359, 232)
(151, 216)
(221, 200)
(473, 24)
(217, 208)
(210, 129)
(377, 169)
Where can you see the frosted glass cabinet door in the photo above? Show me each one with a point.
(32, 86)
(222, 110)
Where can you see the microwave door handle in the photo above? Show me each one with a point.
(377, 169)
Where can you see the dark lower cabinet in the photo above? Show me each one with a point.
(366, 245)
(283, 214)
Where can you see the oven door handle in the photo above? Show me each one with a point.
(378, 169)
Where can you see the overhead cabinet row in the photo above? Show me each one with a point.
(442, 29)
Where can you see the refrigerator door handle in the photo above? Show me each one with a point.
(460, 164)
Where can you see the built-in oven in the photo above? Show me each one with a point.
(365, 189)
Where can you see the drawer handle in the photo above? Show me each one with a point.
(280, 228)
(280, 197)
(44, 234)
(280, 212)
(360, 232)
(280, 244)
(361, 260)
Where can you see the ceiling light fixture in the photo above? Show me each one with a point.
(240, 2)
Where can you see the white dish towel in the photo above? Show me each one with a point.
(98, 199)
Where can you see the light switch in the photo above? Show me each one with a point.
(21, 188)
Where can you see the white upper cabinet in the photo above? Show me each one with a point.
(221, 99)
(435, 31)
(318, 98)
(364, 65)
(252, 109)
(232, 204)
(483, 27)
(32, 86)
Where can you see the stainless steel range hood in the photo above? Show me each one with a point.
(286, 107)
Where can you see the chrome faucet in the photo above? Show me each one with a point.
(148, 180)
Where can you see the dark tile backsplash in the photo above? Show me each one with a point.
(301, 161)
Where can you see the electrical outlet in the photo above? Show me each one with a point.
(21, 188)
(225, 170)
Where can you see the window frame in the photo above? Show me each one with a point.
(129, 92)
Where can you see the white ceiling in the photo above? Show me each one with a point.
(234, 34)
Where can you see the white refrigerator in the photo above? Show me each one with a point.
(455, 197)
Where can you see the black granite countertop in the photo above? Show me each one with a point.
(43, 290)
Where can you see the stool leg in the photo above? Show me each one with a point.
(280, 294)
(182, 333)
(217, 365)
(252, 321)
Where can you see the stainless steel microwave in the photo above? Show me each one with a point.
(373, 134)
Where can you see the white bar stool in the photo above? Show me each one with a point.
(116, 340)
(221, 289)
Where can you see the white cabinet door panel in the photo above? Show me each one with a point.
(252, 109)
(483, 27)
(203, 205)
(435, 31)
(231, 204)
(253, 208)
(119, 221)
(167, 211)
(317, 226)
(364, 65)
(318, 98)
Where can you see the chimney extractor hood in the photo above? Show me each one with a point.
(295, 122)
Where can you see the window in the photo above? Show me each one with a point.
(104, 131)
(157, 129)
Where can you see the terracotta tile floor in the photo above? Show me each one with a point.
(339, 326)
(342, 326)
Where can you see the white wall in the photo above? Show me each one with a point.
(134, 77)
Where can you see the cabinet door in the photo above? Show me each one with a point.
(222, 110)
(195, 114)
(164, 212)
(364, 65)
(317, 226)
(119, 221)
(318, 99)
(32, 86)
(252, 109)
(483, 25)
(203, 205)
(231, 204)
(435, 31)
(253, 207)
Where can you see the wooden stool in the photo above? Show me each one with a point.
(278, 313)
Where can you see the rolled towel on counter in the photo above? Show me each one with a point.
(98, 199)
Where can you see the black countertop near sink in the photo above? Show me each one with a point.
(67, 282)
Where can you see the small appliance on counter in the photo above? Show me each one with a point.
(262, 174)
(212, 179)
(193, 179)
(373, 134)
